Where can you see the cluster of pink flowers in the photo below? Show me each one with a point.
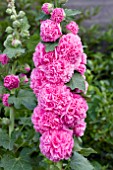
(60, 113)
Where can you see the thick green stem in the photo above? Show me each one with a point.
(11, 126)
(56, 3)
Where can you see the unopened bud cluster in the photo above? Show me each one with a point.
(16, 31)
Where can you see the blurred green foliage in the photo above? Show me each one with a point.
(99, 133)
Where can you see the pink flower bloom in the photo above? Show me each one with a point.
(76, 111)
(24, 77)
(4, 59)
(84, 58)
(11, 82)
(45, 120)
(80, 128)
(41, 56)
(57, 144)
(81, 68)
(47, 8)
(59, 71)
(50, 31)
(54, 98)
(70, 48)
(73, 27)
(5, 100)
(58, 15)
(38, 80)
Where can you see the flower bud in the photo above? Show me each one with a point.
(24, 34)
(13, 17)
(27, 67)
(9, 11)
(21, 14)
(24, 78)
(47, 8)
(16, 43)
(9, 38)
(5, 121)
(16, 24)
(9, 30)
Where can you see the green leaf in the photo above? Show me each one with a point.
(70, 12)
(42, 16)
(87, 151)
(8, 162)
(16, 101)
(78, 162)
(53, 167)
(77, 81)
(25, 98)
(50, 46)
(32, 41)
(5, 141)
(13, 52)
(24, 24)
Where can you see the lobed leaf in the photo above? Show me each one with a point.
(13, 52)
(78, 162)
(5, 141)
(9, 162)
(77, 81)
(25, 98)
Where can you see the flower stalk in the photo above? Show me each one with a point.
(11, 125)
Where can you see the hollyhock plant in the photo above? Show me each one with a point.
(50, 31)
(58, 15)
(11, 82)
(47, 8)
(57, 144)
(4, 59)
(61, 112)
(72, 27)
(5, 100)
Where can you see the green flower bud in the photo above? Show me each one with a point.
(9, 30)
(9, 11)
(9, 38)
(5, 121)
(21, 14)
(25, 34)
(13, 17)
(16, 43)
(16, 24)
